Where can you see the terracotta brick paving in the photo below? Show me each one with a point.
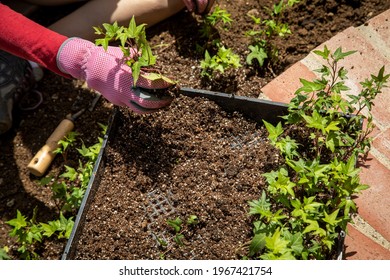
(358, 246)
(372, 43)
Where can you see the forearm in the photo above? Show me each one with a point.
(80, 22)
(29, 40)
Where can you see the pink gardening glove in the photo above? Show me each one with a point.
(199, 6)
(105, 72)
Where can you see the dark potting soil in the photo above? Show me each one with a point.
(192, 159)
(161, 155)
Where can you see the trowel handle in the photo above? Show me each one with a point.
(44, 157)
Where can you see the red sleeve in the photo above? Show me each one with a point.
(29, 40)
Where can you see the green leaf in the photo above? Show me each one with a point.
(132, 29)
(257, 53)
(277, 216)
(295, 241)
(257, 244)
(332, 140)
(45, 180)
(315, 228)
(332, 218)
(348, 205)
(34, 234)
(342, 73)
(111, 29)
(338, 54)
(278, 7)
(324, 54)
(162, 242)
(4, 253)
(175, 224)
(192, 220)
(324, 70)
(19, 222)
(310, 205)
(288, 147)
(70, 173)
(333, 125)
(179, 239)
(276, 243)
(329, 242)
(310, 86)
(48, 229)
(274, 131)
(282, 185)
(339, 87)
(296, 203)
(69, 228)
(102, 42)
(318, 171)
(136, 70)
(260, 205)
(316, 121)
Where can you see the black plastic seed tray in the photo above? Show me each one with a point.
(252, 108)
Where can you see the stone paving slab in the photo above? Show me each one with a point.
(372, 43)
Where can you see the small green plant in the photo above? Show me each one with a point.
(219, 19)
(69, 188)
(180, 229)
(136, 50)
(217, 57)
(68, 191)
(321, 141)
(29, 233)
(4, 253)
(66, 143)
(223, 60)
(265, 31)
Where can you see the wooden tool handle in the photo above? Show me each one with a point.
(44, 157)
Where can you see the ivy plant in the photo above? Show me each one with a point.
(68, 191)
(308, 200)
(179, 228)
(217, 57)
(136, 50)
(265, 31)
(219, 19)
(4, 253)
(223, 60)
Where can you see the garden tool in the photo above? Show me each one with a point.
(253, 108)
(44, 157)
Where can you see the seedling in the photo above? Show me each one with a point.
(265, 31)
(180, 229)
(313, 190)
(69, 188)
(29, 233)
(137, 53)
(65, 143)
(4, 253)
(223, 60)
(212, 23)
(216, 56)
(68, 191)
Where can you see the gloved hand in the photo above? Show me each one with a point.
(105, 72)
(199, 6)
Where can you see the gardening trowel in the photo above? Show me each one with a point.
(253, 108)
(44, 157)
